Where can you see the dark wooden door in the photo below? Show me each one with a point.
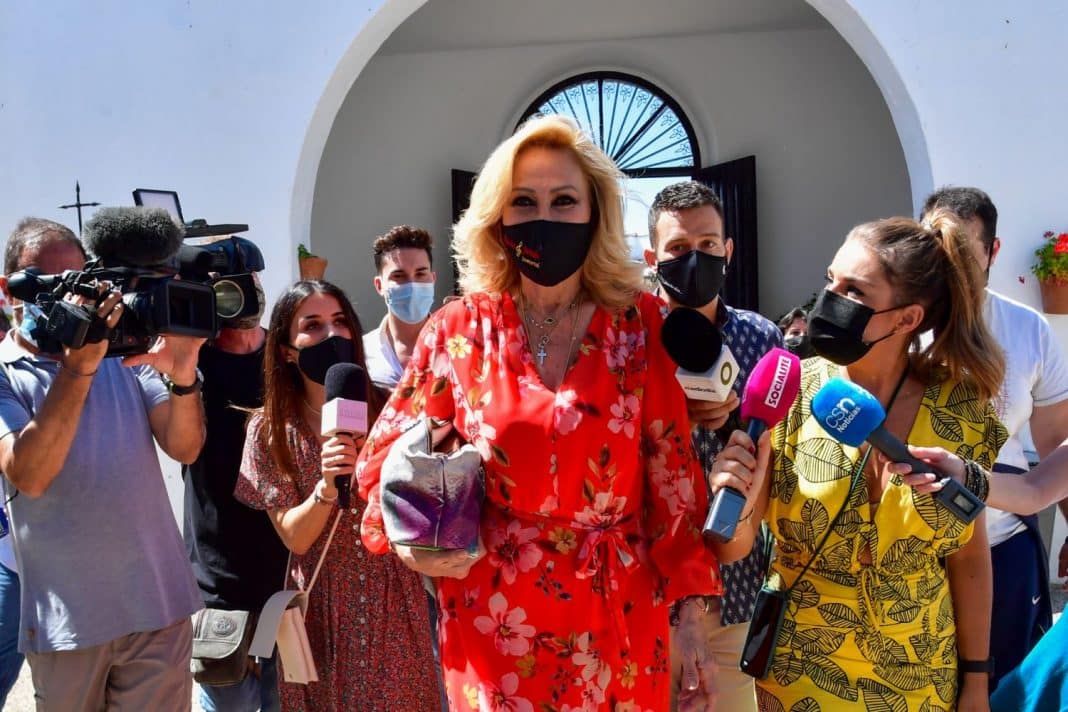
(735, 183)
(462, 183)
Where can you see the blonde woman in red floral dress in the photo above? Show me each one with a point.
(552, 367)
(367, 619)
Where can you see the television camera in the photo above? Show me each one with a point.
(167, 287)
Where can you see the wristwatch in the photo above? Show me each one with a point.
(184, 390)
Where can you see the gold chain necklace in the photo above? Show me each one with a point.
(312, 408)
(547, 326)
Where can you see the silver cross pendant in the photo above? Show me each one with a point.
(541, 354)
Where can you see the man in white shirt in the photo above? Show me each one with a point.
(405, 279)
(1035, 392)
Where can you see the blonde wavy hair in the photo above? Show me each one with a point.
(608, 275)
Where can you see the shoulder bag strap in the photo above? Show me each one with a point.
(849, 495)
(322, 556)
(852, 486)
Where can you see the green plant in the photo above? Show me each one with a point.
(303, 252)
(1052, 264)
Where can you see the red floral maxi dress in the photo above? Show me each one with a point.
(592, 515)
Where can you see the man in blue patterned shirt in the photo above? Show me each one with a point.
(691, 254)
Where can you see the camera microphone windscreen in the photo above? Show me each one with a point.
(131, 236)
(852, 415)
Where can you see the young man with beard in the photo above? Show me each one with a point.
(691, 253)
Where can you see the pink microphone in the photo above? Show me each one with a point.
(770, 391)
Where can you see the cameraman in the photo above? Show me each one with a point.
(237, 557)
(107, 590)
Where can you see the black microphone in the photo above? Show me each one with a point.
(707, 369)
(132, 236)
(345, 411)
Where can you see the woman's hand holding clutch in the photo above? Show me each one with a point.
(451, 564)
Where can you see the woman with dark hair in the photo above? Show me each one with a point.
(366, 619)
(794, 328)
(889, 593)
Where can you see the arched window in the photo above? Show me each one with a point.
(643, 129)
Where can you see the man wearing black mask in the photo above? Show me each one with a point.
(238, 559)
(691, 254)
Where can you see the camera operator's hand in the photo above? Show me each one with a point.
(173, 356)
(86, 360)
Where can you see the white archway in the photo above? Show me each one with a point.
(841, 14)
(367, 42)
(850, 24)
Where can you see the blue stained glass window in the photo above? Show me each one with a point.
(640, 127)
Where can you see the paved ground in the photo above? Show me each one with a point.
(21, 698)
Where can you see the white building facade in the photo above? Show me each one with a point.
(326, 122)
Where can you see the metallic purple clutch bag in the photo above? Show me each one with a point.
(431, 500)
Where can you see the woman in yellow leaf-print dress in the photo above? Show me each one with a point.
(879, 621)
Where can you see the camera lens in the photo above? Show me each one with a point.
(229, 299)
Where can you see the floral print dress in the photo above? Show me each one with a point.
(592, 515)
(367, 619)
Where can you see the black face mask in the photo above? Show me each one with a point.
(694, 279)
(548, 252)
(836, 328)
(315, 360)
(799, 345)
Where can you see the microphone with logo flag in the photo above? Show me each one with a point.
(768, 395)
(851, 415)
(707, 369)
(345, 411)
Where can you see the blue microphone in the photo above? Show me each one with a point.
(852, 415)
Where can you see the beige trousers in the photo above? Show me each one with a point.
(140, 671)
(735, 690)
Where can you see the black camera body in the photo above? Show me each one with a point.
(194, 293)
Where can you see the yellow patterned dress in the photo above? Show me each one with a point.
(860, 635)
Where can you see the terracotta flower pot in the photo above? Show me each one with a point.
(1054, 296)
(312, 267)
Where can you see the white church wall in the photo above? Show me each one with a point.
(801, 101)
(987, 80)
(231, 104)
